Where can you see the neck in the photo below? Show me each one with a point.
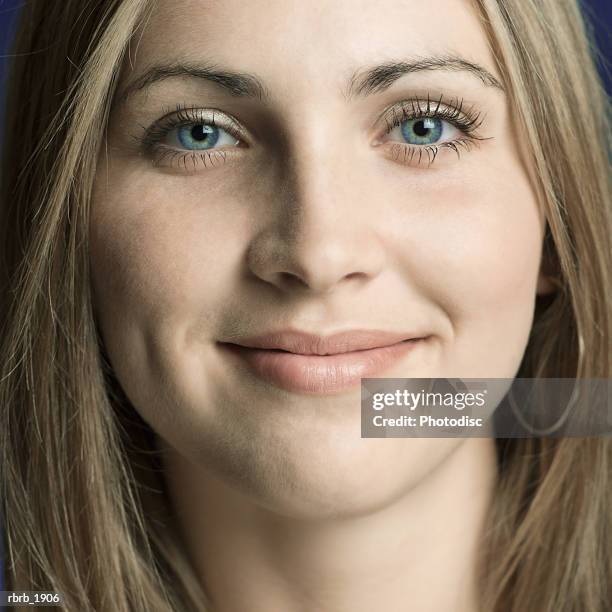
(417, 554)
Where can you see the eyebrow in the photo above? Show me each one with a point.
(239, 84)
(362, 83)
(379, 78)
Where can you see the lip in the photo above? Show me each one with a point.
(306, 363)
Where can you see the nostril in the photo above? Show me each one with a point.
(292, 280)
(353, 275)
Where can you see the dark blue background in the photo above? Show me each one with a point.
(599, 13)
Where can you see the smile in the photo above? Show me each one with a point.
(317, 365)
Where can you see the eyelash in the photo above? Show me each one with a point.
(467, 121)
(181, 116)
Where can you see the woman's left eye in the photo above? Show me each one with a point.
(199, 137)
(424, 131)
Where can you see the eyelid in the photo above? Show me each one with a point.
(467, 120)
(184, 115)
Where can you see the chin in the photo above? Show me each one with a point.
(325, 477)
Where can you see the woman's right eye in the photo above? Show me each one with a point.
(199, 137)
(192, 138)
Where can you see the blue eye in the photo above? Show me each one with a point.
(418, 130)
(422, 131)
(199, 137)
(191, 137)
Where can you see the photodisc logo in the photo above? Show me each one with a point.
(485, 407)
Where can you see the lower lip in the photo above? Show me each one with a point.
(320, 374)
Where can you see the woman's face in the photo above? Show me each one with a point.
(315, 192)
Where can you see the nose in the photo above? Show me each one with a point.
(322, 233)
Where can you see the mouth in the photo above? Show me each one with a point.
(309, 364)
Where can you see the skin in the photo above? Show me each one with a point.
(314, 222)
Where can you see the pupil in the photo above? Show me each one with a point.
(420, 129)
(200, 132)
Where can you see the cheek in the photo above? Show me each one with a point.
(473, 248)
(159, 258)
(163, 268)
(487, 250)
(485, 246)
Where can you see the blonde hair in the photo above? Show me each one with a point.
(84, 507)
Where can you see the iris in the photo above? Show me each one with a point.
(422, 131)
(199, 136)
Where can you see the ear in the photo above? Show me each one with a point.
(549, 277)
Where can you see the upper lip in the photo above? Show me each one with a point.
(311, 344)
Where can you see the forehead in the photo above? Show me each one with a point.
(296, 46)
